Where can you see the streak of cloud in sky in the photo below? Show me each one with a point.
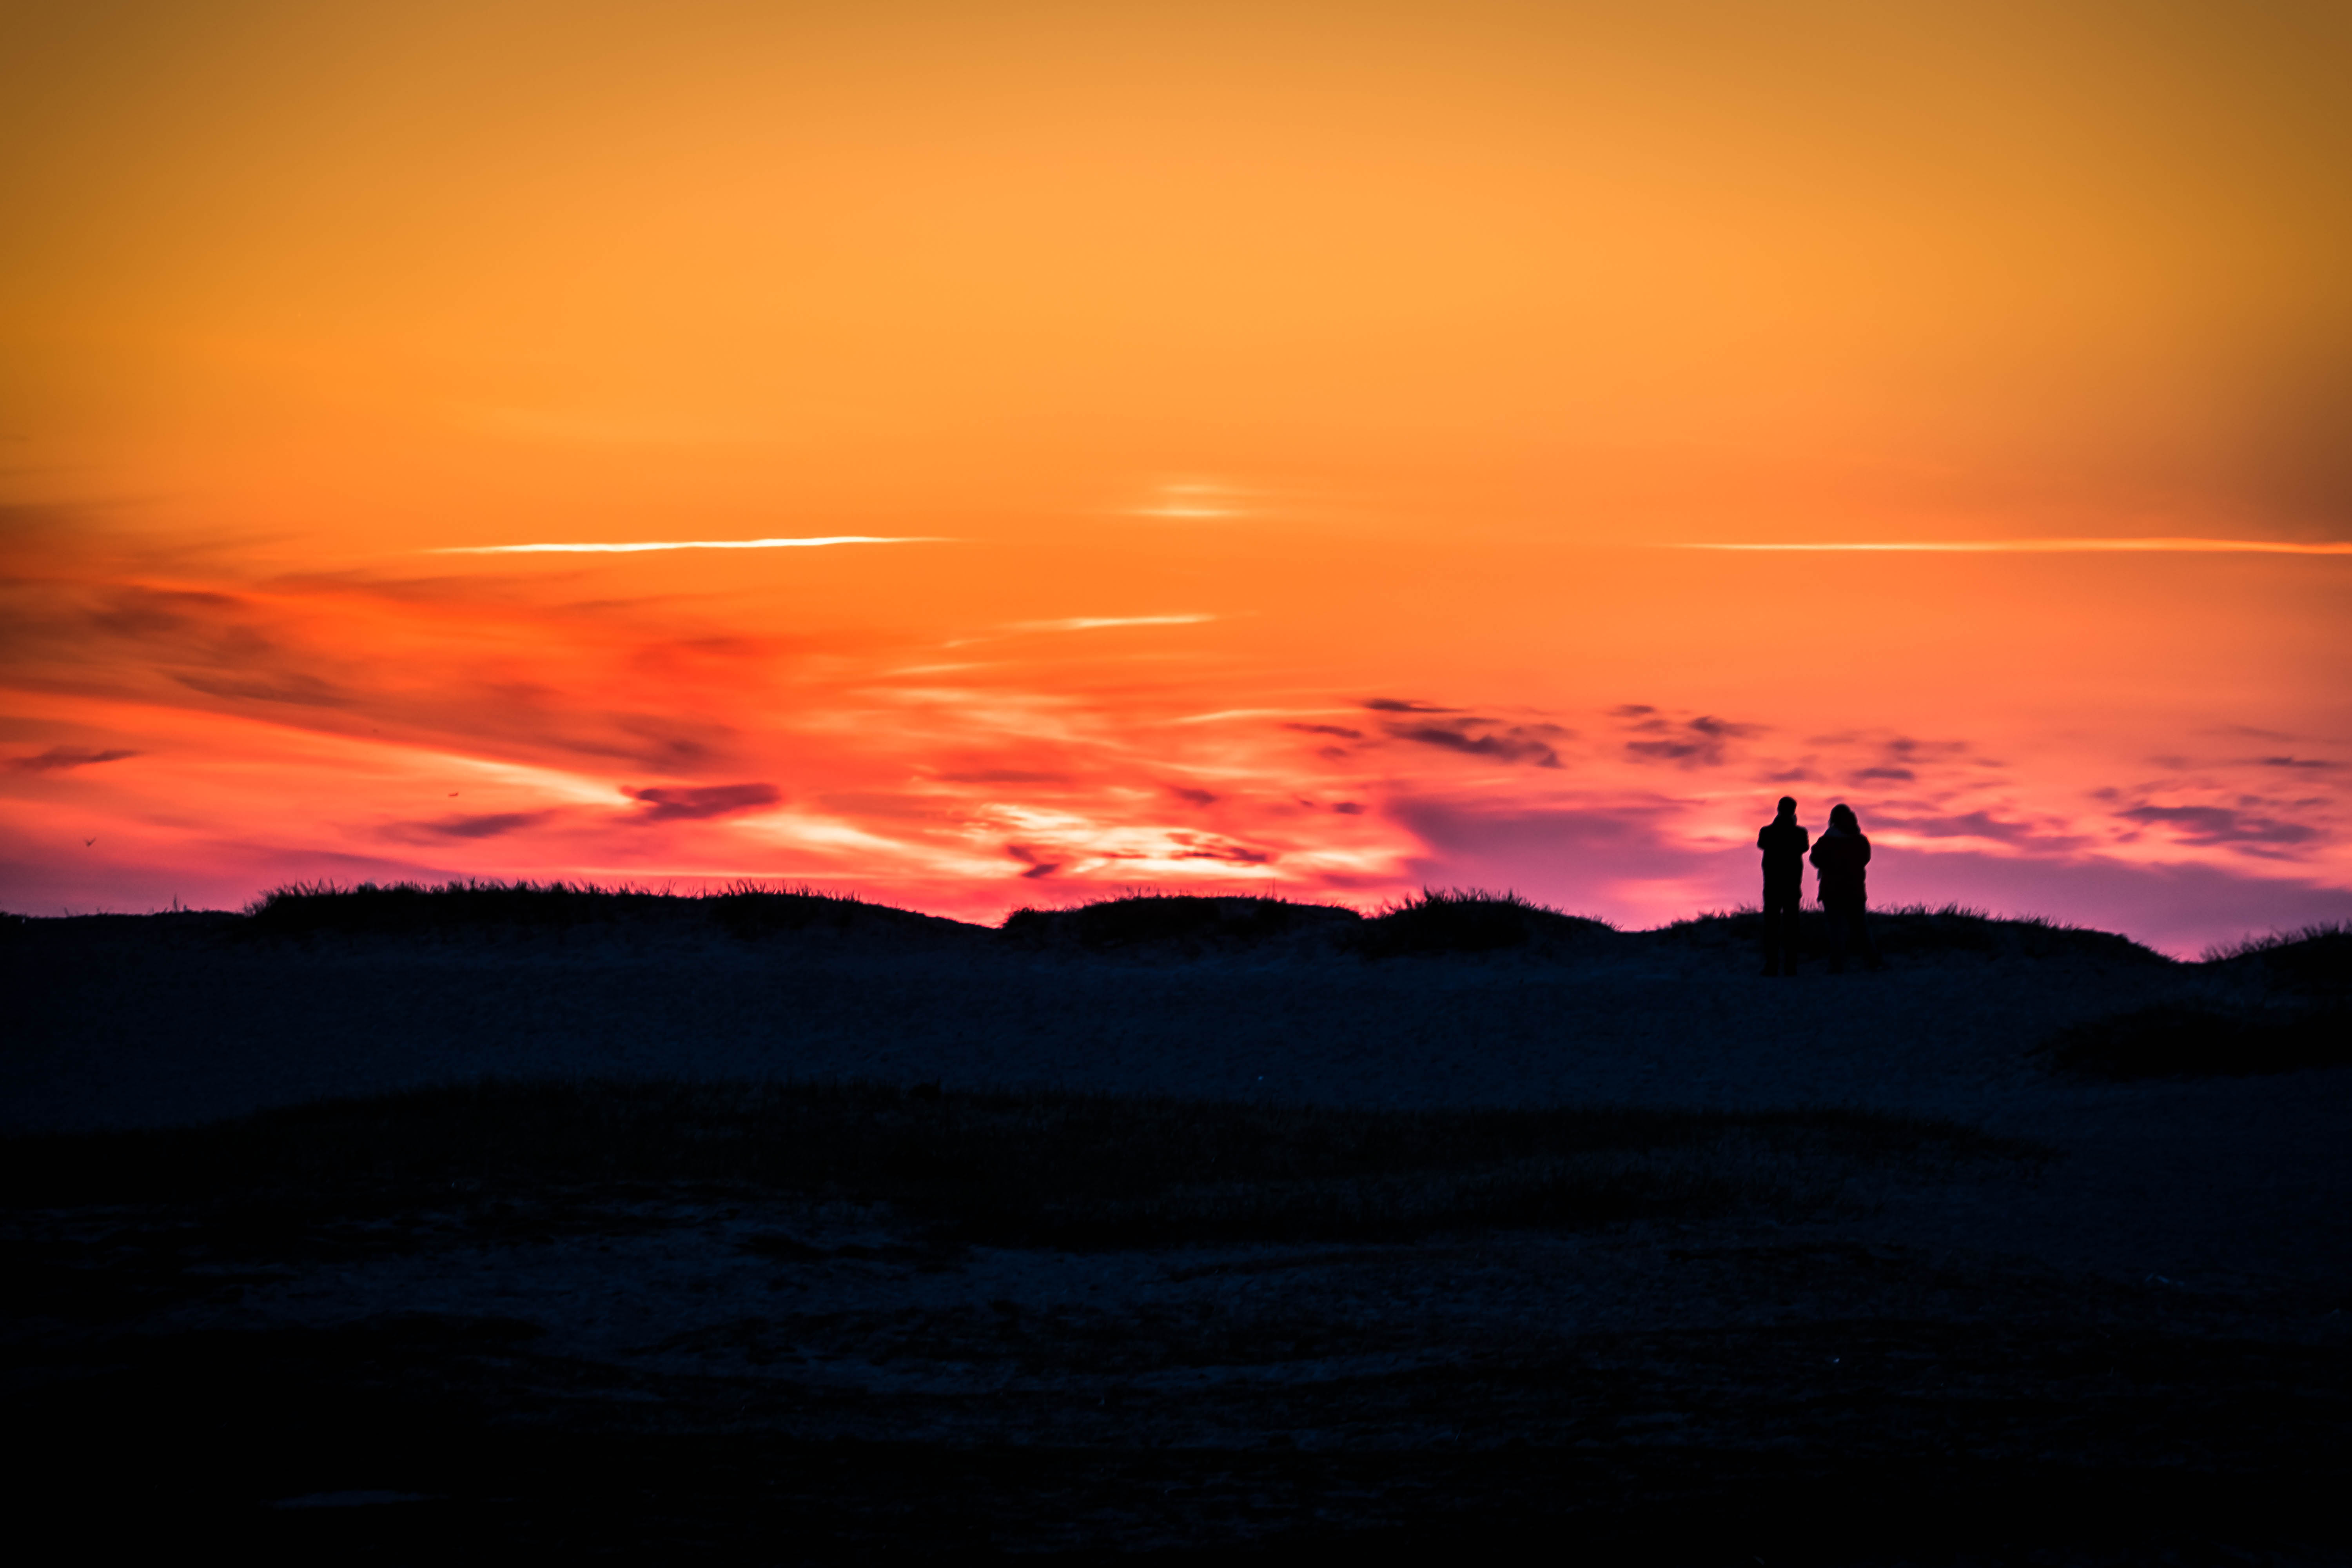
(640, 546)
(1098, 623)
(1379, 445)
(2056, 546)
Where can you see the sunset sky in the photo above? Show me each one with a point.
(1285, 448)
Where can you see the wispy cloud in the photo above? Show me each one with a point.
(1095, 622)
(1223, 714)
(61, 757)
(2052, 546)
(1503, 743)
(1511, 746)
(1696, 742)
(2205, 825)
(637, 546)
(693, 803)
(492, 825)
(1082, 623)
(1194, 500)
(290, 687)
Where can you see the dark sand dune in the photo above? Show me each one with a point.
(161, 1019)
(2033, 1244)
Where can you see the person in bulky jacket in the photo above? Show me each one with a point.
(1840, 855)
(1783, 841)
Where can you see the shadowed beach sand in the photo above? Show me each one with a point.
(1848, 1267)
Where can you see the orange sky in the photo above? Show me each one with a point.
(1291, 416)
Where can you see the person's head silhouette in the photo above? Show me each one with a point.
(1841, 816)
(1788, 805)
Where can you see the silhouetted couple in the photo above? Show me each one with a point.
(1839, 858)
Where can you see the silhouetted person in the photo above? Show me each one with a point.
(1783, 842)
(1840, 855)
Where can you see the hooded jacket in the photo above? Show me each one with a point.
(1839, 856)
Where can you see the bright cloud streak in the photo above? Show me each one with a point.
(1097, 623)
(1186, 510)
(1082, 623)
(634, 548)
(2060, 546)
(1192, 500)
(1224, 714)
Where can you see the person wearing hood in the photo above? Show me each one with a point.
(1839, 856)
(1783, 841)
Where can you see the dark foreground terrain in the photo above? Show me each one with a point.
(398, 1228)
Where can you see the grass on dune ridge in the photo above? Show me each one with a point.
(2320, 953)
(1011, 1168)
(306, 908)
(1917, 930)
(2292, 1012)
(2284, 1003)
(1434, 922)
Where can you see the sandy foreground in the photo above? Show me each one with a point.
(2122, 1328)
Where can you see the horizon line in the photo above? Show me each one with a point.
(634, 547)
(2155, 545)
(662, 885)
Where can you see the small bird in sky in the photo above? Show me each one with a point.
(88, 842)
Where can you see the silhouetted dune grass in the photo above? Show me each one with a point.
(2303, 1019)
(407, 908)
(1920, 930)
(308, 908)
(2195, 1039)
(1466, 919)
(748, 910)
(2316, 957)
(1175, 919)
(1059, 1169)
(1434, 921)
